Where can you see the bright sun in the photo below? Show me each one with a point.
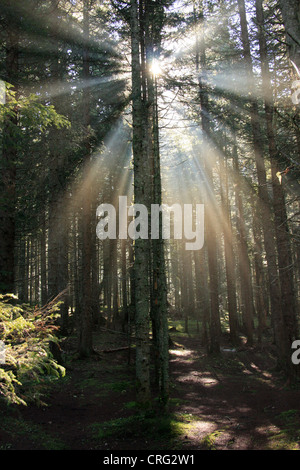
(155, 67)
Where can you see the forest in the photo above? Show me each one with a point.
(149, 226)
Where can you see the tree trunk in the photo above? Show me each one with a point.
(261, 307)
(229, 253)
(43, 244)
(86, 321)
(210, 209)
(159, 282)
(202, 296)
(291, 18)
(57, 217)
(141, 196)
(243, 258)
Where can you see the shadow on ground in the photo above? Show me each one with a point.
(234, 401)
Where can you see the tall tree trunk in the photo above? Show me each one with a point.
(210, 209)
(159, 282)
(114, 274)
(243, 258)
(261, 307)
(43, 244)
(229, 252)
(22, 272)
(57, 217)
(175, 274)
(202, 296)
(185, 287)
(85, 346)
(124, 289)
(141, 196)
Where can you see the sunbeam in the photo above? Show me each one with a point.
(106, 85)
(149, 174)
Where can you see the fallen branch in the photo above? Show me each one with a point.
(115, 350)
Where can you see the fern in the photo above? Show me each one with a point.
(26, 334)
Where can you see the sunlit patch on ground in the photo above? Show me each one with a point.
(243, 409)
(208, 381)
(180, 352)
(182, 355)
(268, 429)
(199, 429)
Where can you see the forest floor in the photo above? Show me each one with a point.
(236, 401)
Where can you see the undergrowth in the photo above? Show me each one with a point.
(167, 426)
(288, 436)
(27, 364)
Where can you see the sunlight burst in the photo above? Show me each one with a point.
(155, 68)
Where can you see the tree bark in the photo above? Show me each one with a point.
(159, 282)
(290, 10)
(210, 209)
(243, 258)
(141, 196)
(229, 253)
(86, 319)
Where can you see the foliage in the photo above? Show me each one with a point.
(29, 364)
(32, 114)
(146, 424)
(287, 435)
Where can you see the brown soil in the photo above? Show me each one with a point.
(236, 401)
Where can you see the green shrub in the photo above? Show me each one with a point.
(29, 365)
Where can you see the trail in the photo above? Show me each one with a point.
(234, 402)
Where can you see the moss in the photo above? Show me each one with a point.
(289, 435)
(208, 442)
(166, 426)
(18, 428)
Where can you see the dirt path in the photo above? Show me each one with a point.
(235, 400)
(230, 402)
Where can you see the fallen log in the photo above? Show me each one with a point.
(115, 350)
